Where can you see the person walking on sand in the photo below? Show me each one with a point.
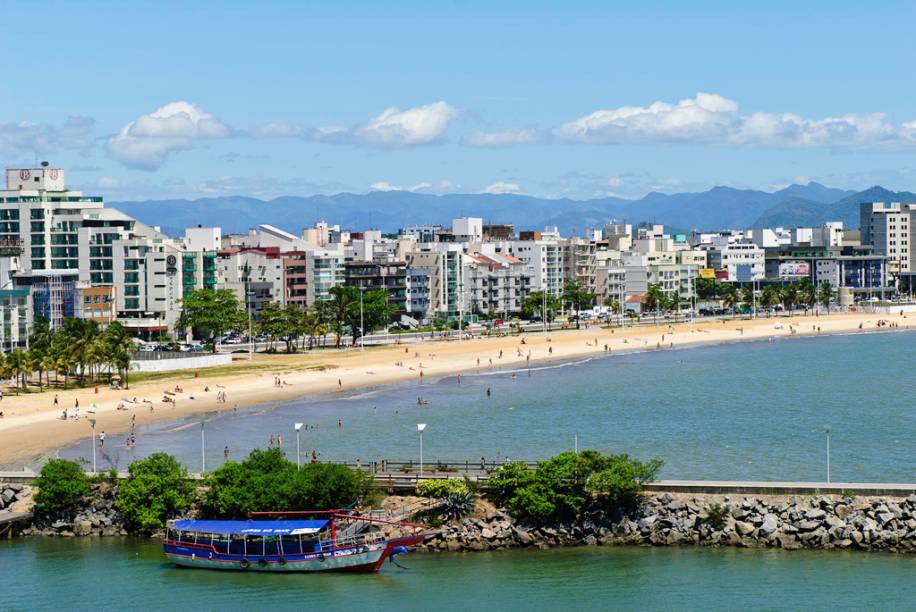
(56, 403)
(339, 384)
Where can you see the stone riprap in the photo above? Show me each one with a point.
(824, 522)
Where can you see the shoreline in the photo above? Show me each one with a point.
(32, 428)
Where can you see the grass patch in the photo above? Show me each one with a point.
(227, 370)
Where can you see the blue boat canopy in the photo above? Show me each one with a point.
(251, 527)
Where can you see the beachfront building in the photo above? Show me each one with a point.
(15, 318)
(735, 257)
(254, 275)
(372, 275)
(542, 255)
(496, 284)
(888, 228)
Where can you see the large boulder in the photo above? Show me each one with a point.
(770, 525)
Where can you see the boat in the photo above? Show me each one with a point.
(314, 544)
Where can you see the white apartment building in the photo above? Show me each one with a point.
(733, 255)
(496, 283)
(888, 228)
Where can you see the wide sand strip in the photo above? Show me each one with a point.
(32, 425)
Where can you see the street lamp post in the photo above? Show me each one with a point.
(420, 428)
(203, 455)
(828, 429)
(248, 296)
(297, 426)
(92, 423)
(362, 326)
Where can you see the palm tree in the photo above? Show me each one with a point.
(655, 299)
(807, 294)
(769, 297)
(17, 362)
(730, 297)
(747, 297)
(343, 298)
(825, 294)
(789, 294)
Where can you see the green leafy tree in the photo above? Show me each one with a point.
(563, 486)
(807, 294)
(211, 313)
(789, 294)
(156, 490)
(747, 296)
(770, 297)
(542, 304)
(576, 297)
(729, 296)
(825, 294)
(707, 288)
(61, 486)
(655, 299)
(267, 481)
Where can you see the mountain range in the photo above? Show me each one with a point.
(717, 208)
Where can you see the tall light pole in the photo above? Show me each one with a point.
(420, 428)
(297, 426)
(203, 455)
(92, 423)
(362, 326)
(544, 310)
(248, 295)
(827, 429)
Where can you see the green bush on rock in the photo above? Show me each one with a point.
(269, 482)
(561, 487)
(156, 490)
(442, 487)
(61, 485)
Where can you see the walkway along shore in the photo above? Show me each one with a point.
(32, 424)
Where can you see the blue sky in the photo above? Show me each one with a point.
(156, 100)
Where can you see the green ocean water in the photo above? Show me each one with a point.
(132, 574)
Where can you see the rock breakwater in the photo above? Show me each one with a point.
(792, 522)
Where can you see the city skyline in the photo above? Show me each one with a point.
(466, 98)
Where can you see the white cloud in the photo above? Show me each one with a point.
(420, 125)
(386, 186)
(146, 142)
(25, 137)
(503, 138)
(706, 117)
(501, 187)
(713, 119)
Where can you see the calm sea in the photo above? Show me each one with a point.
(750, 411)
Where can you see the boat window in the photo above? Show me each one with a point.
(236, 546)
(271, 545)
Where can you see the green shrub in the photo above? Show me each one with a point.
(269, 482)
(561, 487)
(716, 514)
(156, 489)
(61, 485)
(441, 487)
(458, 505)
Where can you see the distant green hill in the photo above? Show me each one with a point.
(800, 212)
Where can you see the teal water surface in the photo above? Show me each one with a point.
(131, 574)
(745, 411)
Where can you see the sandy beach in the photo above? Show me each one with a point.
(32, 426)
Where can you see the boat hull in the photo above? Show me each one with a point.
(366, 558)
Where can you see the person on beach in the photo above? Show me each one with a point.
(55, 401)
(76, 403)
(102, 439)
(339, 384)
(226, 453)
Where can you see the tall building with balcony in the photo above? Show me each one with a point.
(372, 275)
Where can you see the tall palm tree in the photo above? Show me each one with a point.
(343, 298)
(730, 297)
(655, 299)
